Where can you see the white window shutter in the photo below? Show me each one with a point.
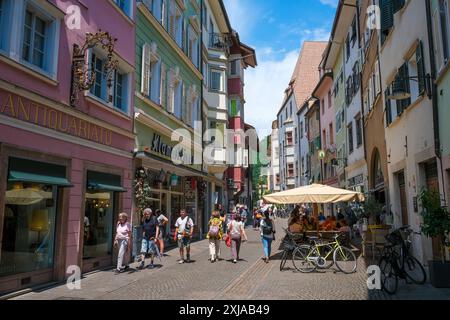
(437, 40)
(377, 77)
(189, 106)
(146, 70)
(162, 87)
(163, 13)
(170, 92)
(183, 103)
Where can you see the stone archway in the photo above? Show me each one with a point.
(376, 177)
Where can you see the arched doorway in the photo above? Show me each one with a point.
(378, 187)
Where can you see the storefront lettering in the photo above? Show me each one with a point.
(20, 108)
(159, 147)
(358, 180)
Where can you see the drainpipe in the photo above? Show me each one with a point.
(437, 140)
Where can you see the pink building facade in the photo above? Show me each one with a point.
(66, 168)
(323, 93)
(243, 56)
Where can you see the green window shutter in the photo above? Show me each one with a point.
(388, 107)
(233, 108)
(398, 5)
(387, 16)
(420, 67)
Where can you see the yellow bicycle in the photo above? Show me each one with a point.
(307, 258)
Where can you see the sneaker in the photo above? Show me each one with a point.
(152, 266)
(234, 261)
(181, 261)
(141, 266)
(117, 271)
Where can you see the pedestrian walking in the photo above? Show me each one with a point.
(122, 241)
(162, 224)
(267, 235)
(215, 235)
(150, 232)
(183, 234)
(236, 231)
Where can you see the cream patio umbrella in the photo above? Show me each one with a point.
(315, 193)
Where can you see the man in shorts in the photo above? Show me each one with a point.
(183, 234)
(150, 231)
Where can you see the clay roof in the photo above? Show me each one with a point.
(306, 73)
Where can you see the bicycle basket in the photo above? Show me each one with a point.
(288, 244)
(395, 238)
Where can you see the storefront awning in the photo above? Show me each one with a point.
(99, 181)
(23, 170)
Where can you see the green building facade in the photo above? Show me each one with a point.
(168, 98)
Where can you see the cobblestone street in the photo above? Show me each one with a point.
(250, 279)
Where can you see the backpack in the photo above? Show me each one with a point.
(267, 229)
(214, 231)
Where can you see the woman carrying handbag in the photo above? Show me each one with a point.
(236, 234)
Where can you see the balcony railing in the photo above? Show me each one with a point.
(219, 41)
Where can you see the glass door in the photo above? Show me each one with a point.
(98, 224)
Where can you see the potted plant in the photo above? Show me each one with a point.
(373, 210)
(436, 224)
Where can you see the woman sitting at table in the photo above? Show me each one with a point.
(295, 224)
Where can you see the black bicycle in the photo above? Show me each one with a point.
(397, 261)
(290, 242)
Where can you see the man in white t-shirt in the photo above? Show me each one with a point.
(183, 234)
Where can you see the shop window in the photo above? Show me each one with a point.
(100, 208)
(30, 216)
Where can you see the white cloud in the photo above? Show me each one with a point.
(331, 3)
(265, 86)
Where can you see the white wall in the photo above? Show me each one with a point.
(415, 124)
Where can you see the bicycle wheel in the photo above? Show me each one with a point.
(389, 279)
(414, 270)
(283, 260)
(345, 260)
(300, 259)
(326, 251)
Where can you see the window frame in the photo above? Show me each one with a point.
(12, 47)
(222, 79)
(104, 96)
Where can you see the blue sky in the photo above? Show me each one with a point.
(276, 29)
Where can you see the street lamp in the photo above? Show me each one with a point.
(400, 85)
(83, 75)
